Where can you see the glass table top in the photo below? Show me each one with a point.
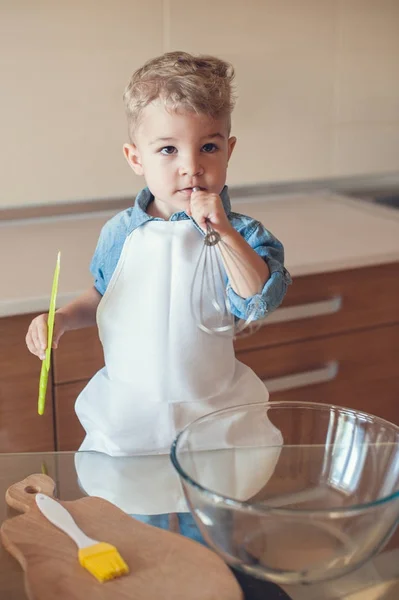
(376, 580)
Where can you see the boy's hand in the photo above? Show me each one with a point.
(36, 338)
(204, 207)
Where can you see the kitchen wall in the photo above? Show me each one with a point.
(317, 80)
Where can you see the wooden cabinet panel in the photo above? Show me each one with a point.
(377, 397)
(21, 428)
(367, 376)
(69, 432)
(79, 356)
(367, 297)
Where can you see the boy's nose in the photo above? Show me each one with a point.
(191, 167)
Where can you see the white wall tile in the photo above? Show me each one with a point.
(368, 25)
(252, 27)
(283, 119)
(362, 148)
(62, 120)
(367, 82)
(284, 87)
(317, 82)
(282, 152)
(368, 88)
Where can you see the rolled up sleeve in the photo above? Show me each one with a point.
(271, 296)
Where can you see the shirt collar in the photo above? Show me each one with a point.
(144, 197)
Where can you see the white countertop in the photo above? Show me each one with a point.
(321, 232)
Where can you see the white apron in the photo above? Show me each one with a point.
(161, 371)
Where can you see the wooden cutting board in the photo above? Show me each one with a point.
(162, 564)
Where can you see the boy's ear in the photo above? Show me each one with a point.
(132, 156)
(231, 144)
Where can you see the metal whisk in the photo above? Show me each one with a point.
(210, 304)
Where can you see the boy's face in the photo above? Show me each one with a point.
(176, 151)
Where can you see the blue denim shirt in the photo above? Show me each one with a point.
(117, 229)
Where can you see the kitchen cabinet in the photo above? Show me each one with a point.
(69, 433)
(355, 369)
(326, 304)
(77, 359)
(334, 340)
(21, 428)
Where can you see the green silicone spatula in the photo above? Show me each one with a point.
(50, 328)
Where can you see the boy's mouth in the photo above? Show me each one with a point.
(189, 190)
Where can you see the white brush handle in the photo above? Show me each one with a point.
(60, 517)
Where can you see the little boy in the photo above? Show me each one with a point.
(161, 371)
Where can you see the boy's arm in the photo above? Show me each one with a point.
(261, 280)
(81, 312)
(269, 297)
(246, 270)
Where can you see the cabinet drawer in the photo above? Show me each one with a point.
(330, 303)
(357, 369)
(69, 433)
(79, 356)
(21, 428)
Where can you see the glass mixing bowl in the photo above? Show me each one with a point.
(291, 492)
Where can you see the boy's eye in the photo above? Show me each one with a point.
(210, 147)
(168, 150)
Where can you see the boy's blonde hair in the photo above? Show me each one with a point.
(201, 84)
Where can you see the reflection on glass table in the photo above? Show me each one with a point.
(285, 508)
(126, 482)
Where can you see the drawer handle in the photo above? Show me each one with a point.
(297, 380)
(304, 311)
